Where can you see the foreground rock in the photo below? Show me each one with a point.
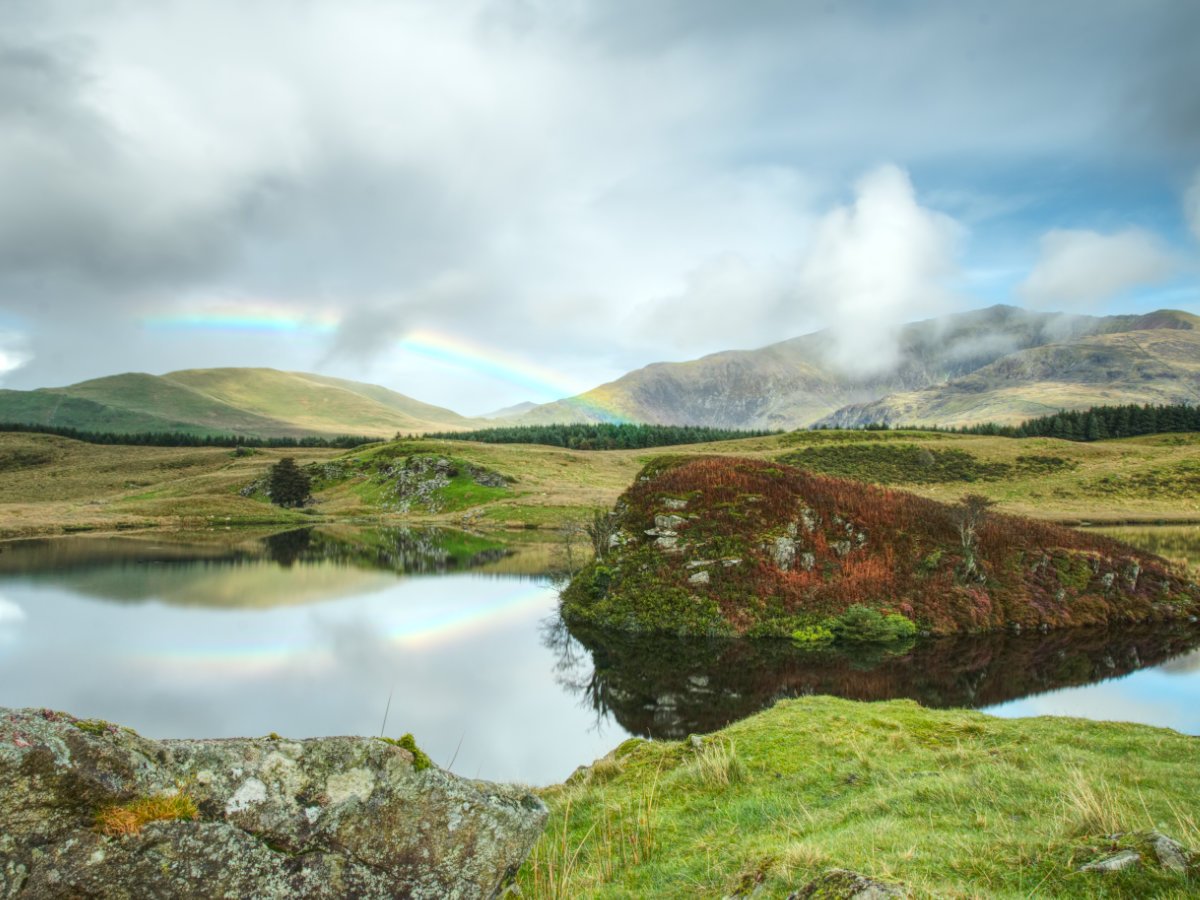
(725, 546)
(263, 818)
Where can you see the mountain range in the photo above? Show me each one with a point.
(1001, 364)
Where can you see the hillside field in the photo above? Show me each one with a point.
(53, 485)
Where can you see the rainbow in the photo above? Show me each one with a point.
(242, 654)
(273, 318)
(488, 361)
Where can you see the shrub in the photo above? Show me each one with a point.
(812, 634)
(287, 485)
(861, 624)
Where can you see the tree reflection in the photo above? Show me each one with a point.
(667, 688)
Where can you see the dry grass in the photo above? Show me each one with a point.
(130, 818)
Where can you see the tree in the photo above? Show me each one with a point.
(968, 516)
(601, 530)
(288, 485)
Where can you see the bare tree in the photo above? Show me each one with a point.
(969, 514)
(601, 529)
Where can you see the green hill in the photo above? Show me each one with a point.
(260, 402)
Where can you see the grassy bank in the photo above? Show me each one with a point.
(51, 484)
(950, 803)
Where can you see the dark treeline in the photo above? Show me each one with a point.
(600, 435)
(1094, 424)
(178, 439)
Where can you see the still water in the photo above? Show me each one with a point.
(316, 633)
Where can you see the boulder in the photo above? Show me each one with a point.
(93, 810)
(842, 884)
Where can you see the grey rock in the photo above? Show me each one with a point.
(807, 561)
(323, 818)
(1114, 862)
(668, 522)
(700, 577)
(673, 503)
(841, 548)
(842, 884)
(1170, 854)
(783, 552)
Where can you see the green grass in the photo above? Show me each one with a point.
(950, 803)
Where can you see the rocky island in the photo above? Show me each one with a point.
(729, 546)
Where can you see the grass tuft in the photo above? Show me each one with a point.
(129, 818)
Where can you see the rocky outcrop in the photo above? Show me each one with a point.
(818, 559)
(841, 884)
(93, 810)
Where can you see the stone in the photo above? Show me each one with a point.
(1170, 854)
(668, 522)
(700, 577)
(275, 818)
(783, 552)
(842, 548)
(672, 503)
(1114, 862)
(807, 561)
(842, 884)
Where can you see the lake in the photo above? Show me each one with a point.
(317, 632)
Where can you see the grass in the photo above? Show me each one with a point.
(950, 803)
(48, 484)
(129, 818)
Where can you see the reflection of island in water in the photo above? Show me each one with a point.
(305, 565)
(666, 688)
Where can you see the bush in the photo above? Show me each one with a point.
(287, 485)
(861, 624)
(812, 634)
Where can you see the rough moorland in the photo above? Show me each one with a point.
(738, 546)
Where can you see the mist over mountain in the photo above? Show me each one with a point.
(1000, 364)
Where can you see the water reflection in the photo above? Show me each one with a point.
(667, 688)
(1178, 543)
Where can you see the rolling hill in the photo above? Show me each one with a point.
(997, 364)
(259, 402)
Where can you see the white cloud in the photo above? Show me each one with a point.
(1078, 269)
(14, 352)
(876, 263)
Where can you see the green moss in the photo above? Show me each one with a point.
(95, 726)
(421, 760)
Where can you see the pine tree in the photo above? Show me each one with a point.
(288, 486)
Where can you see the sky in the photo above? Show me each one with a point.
(481, 202)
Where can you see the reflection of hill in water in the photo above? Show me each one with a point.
(667, 688)
(289, 568)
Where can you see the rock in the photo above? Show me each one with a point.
(672, 503)
(841, 884)
(842, 548)
(273, 818)
(700, 577)
(807, 561)
(1170, 854)
(1114, 862)
(783, 552)
(668, 523)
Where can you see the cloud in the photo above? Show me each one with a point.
(610, 194)
(1079, 269)
(14, 352)
(876, 263)
(1191, 204)
(862, 268)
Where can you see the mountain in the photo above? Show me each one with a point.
(1002, 363)
(511, 412)
(259, 402)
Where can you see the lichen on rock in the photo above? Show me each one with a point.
(274, 818)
